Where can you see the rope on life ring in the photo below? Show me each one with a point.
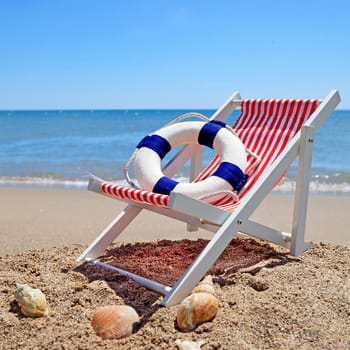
(229, 178)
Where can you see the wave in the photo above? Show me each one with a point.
(42, 182)
(287, 186)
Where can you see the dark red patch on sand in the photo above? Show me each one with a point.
(165, 261)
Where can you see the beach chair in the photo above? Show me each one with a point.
(277, 131)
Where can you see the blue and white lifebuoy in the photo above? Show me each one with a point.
(228, 177)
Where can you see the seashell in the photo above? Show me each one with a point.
(31, 301)
(190, 345)
(196, 309)
(205, 286)
(114, 321)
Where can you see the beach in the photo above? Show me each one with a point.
(43, 218)
(303, 302)
(115, 91)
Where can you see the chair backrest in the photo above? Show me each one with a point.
(265, 127)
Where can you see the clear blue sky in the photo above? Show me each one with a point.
(170, 54)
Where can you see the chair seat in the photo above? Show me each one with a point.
(135, 196)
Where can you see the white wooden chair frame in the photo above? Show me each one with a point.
(224, 224)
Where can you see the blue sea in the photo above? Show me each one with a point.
(57, 148)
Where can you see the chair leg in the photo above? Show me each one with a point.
(110, 233)
(202, 264)
(298, 245)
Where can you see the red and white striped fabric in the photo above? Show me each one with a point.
(135, 195)
(265, 126)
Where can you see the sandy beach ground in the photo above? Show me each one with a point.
(267, 298)
(43, 218)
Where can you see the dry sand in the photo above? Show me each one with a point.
(268, 299)
(40, 218)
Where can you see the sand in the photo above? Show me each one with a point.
(41, 218)
(268, 299)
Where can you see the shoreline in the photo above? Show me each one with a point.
(45, 218)
(339, 187)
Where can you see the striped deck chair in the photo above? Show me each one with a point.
(277, 131)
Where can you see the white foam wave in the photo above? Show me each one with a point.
(45, 182)
(316, 187)
(287, 186)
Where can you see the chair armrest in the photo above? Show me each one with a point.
(197, 208)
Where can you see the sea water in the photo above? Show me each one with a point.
(57, 148)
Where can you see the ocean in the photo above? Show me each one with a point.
(58, 148)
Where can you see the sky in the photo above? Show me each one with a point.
(124, 54)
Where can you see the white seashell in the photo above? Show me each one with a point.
(114, 321)
(190, 345)
(196, 309)
(205, 286)
(31, 301)
(207, 280)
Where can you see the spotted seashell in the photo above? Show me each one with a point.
(32, 302)
(196, 309)
(114, 321)
(189, 345)
(205, 286)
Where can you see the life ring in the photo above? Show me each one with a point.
(228, 177)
